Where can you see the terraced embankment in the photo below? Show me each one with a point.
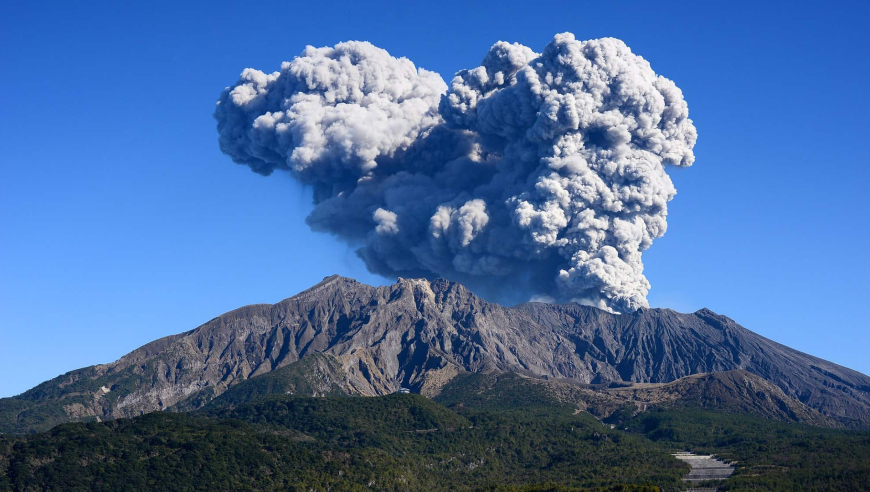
(705, 467)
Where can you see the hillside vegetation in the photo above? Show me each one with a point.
(397, 442)
(770, 455)
(491, 435)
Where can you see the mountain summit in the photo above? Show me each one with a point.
(421, 334)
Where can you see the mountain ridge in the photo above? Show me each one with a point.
(421, 334)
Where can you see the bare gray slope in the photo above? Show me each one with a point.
(420, 334)
(735, 391)
(661, 345)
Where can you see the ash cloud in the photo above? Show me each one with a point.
(534, 175)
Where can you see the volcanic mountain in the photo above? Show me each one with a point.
(421, 335)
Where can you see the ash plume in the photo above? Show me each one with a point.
(534, 175)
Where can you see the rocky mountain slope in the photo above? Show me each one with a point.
(421, 334)
(734, 391)
(737, 391)
(316, 374)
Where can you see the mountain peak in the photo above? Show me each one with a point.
(420, 334)
(706, 312)
(328, 284)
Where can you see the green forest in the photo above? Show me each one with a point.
(409, 442)
(770, 455)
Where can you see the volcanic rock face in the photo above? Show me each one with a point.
(420, 334)
(736, 391)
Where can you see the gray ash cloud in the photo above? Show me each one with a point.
(534, 175)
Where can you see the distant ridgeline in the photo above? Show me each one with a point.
(267, 397)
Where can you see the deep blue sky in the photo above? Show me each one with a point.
(121, 222)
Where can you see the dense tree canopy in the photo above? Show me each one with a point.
(408, 442)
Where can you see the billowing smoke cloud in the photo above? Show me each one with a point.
(532, 175)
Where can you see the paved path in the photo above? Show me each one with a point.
(705, 467)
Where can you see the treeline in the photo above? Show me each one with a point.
(399, 442)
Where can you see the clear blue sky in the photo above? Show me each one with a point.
(121, 221)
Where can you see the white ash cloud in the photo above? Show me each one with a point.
(531, 176)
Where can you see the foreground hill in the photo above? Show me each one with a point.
(420, 335)
(735, 392)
